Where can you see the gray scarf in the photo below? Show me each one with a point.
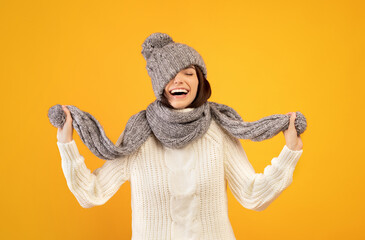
(174, 129)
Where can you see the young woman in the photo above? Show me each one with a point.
(180, 193)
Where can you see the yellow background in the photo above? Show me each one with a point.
(262, 57)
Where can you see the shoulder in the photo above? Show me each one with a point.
(226, 139)
(217, 131)
(218, 134)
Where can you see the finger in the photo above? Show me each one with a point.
(292, 120)
(67, 111)
(64, 109)
(293, 116)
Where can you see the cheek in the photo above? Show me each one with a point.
(196, 84)
(166, 89)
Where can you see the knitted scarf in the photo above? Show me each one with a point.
(174, 129)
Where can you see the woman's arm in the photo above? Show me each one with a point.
(96, 188)
(256, 191)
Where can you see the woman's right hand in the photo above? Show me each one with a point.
(293, 141)
(64, 134)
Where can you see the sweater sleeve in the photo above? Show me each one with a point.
(256, 191)
(92, 188)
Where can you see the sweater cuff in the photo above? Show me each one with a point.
(288, 158)
(69, 151)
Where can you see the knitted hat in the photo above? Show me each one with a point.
(165, 58)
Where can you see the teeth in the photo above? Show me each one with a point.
(179, 90)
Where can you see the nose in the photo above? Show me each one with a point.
(177, 79)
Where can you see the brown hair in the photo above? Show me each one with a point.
(203, 93)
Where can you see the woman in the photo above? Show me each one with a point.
(181, 193)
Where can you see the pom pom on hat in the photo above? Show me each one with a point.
(155, 40)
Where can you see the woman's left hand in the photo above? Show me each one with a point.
(293, 142)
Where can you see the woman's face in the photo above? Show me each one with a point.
(187, 80)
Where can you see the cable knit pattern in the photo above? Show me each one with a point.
(184, 201)
(181, 194)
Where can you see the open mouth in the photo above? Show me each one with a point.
(179, 92)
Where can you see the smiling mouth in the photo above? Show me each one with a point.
(179, 92)
(178, 95)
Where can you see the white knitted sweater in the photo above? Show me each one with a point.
(181, 193)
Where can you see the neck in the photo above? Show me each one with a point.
(183, 109)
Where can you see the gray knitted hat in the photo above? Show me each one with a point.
(165, 58)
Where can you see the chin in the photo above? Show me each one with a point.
(179, 105)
